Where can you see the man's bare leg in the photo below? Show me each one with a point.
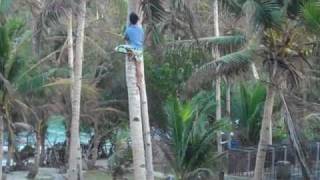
(138, 73)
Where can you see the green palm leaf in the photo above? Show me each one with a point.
(247, 107)
(311, 14)
(190, 136)
(229, 65)
(264, 12)
(4, 51)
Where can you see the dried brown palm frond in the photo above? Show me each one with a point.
(173, 15)
(295, 138)
(224, 41)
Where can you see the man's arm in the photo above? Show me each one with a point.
(126, 37)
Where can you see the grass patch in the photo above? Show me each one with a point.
(97, 175)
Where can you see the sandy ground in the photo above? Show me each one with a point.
(53, 174)
(44, 174)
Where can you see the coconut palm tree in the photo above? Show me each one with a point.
(19, 77)
(75, 156)
(216, 54)
(11, 68)
(136, 127)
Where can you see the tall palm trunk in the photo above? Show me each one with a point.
(38, 148)
(136, 128)
(1, 142)
(264, 133)
(218, 80)
(146, 126)
(70, 51)
(75, 159)
(71, 67)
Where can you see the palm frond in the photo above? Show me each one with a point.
(265, 13)
(4, 48)
(295, 140)
(7, 86)
(190, 138)
(13, 68)
(311, 14)
(154, 11)
(203, 102)
(234, 6)
(221, 41)
(228, 65)
(15, 27)
(55, 11)
(248, 101)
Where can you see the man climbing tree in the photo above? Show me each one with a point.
(134, 35)
(138, 105)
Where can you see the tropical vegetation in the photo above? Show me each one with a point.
(217, 76)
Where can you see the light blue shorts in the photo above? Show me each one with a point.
(125, 49)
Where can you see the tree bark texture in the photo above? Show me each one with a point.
(146, 126)
(75, 157)
(216, 55)
(1, 143)
(264, 134)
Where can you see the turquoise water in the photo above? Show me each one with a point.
(56, 132)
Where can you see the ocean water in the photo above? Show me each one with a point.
(56, 133)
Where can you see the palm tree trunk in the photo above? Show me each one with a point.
(42, 145)
(146, 125)
(1, 142)
(11, 138)
(145, 116)
(75, 159)
(71, 66)
(70, 51)
(254, 71)
(136, 128)
(94, 151)
(228, 100)
(35, 168)
(264, 133)
(218, 80)
(37, 153)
